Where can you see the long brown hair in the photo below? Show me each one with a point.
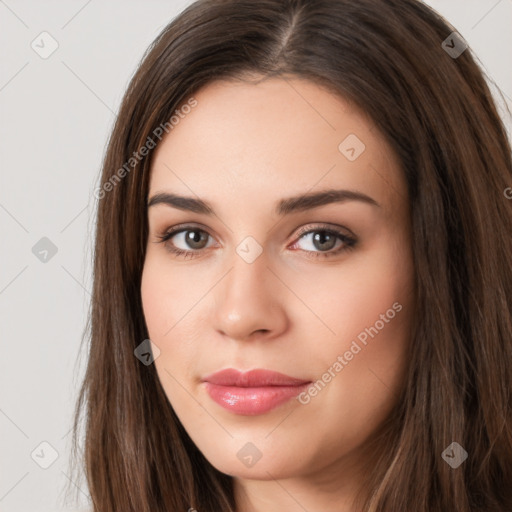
(436, 111)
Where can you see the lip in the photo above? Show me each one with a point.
(253, 392)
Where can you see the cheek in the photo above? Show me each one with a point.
(372, 315)
(369, 311)
(151, 294)
(164, 297)
(167, 303)
(352, 298)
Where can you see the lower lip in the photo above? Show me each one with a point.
(252, 401)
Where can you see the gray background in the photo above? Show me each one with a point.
(56, 114)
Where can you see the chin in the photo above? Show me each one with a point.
(249, 462)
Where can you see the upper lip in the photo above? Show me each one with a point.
(252, 378)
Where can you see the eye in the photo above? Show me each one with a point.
(321, 240)
(188, 237)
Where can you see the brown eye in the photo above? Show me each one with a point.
(324, 242)
(185, 241)
(195, 238)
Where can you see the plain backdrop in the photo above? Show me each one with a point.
(56, 114)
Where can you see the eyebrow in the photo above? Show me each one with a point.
(284, 206)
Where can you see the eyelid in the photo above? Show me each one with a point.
(323, 226)
(301, 231)
(176, 228)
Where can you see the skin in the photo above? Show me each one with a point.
(243, 148)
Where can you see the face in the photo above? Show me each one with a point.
(318, 289)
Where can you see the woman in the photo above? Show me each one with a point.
(302, 261)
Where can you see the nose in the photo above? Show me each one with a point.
(249, 301)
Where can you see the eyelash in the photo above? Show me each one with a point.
(349, 242)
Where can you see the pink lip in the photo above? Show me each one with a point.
(254, 392)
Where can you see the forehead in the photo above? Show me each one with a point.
(273, 138)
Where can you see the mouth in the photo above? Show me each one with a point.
(254, 392)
